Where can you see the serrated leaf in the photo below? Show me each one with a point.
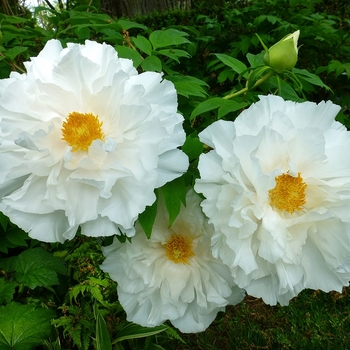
(188, 86)
(37, 267)
(232, 62)
(147, 218)
(152, 63)
(127, 52)
(8, 264)
(133, 331)
(7, 289)
(168, 37)
(23, 326)
(174, 193)
(103, 282)
(143, 44)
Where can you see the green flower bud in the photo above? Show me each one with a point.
(284, 54)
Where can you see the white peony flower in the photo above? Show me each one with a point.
(173, 275)
(85, 139)
(277, 188)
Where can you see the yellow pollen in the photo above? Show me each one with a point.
(179, 249)
(289, 193)
(80, 129)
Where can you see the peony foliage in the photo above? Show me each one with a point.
(153, 178)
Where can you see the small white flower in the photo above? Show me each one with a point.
(173, 275)
(84, 140)
(277, 188)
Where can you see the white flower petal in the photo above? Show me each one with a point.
(113, 178)
(276, 249)
(154, 288)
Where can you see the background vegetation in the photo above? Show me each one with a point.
(54, 296)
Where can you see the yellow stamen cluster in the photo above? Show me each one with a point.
(289, 193)
(80, 129)
(179, 249)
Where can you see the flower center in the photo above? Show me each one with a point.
(80, 129)
(289, 193)
(179, 249)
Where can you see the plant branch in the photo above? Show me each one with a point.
(50, 5)
(260, 81)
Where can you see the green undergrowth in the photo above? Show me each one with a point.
(313, 320)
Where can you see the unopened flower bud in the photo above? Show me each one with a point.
(284, 54)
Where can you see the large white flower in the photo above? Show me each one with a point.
(173, 275)
(85, 139)
(277, 188)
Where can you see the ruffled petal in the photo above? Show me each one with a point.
(115, 177)
(269, 246)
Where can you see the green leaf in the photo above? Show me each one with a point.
(154, 346)
(235, 64)
(129, 24)
(207, 105)
(103, 338)
(338, 68)
(256, 60)
(133, 331)
(310, 77)
(15, 51)
(83, 31)
(127, 52)
(256, 74)
(225, 106)
(174, 194)
(167, 37)
(174, 54)
(147, 218)
(285, 90)
(17, 237)
(192, 146)
(230, 106)
(225, 74)
(152, 63)
(23, 326)
(12, 238)
(37, 267)
(188, 86)
(15, 19)
(143, 44)
(4, 220)
(7, 289)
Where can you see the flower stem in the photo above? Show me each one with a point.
(260, 81)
